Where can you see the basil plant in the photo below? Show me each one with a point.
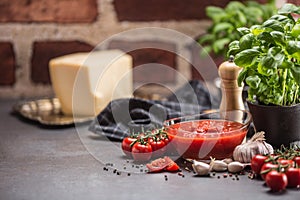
(225, 22)
(270, 57)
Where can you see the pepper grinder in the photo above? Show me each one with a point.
(231, 92)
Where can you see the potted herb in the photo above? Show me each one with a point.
(225, 22)
(270, 57)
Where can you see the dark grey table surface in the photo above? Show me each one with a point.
(67, 163)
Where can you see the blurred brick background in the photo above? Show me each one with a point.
(34, 31)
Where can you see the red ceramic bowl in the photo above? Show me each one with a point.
(206, 135)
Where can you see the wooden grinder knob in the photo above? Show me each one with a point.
(231, 92)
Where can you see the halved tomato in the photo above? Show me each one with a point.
(162, 164)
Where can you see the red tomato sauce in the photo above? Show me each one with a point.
(204, 138)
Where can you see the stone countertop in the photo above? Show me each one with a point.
(39, 162)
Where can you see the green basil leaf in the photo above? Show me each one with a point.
(268, 62)
(289, 8)
(280, 18)
(267, 66)
(234, 5)
(233, 48)
(286, 64)
(293, 47)
(253, 81)
(265, 36)
(206, 38)
(278, 37)
(277, 54)
(246, 57)
(241, 18)
(254, 13)
(274, 25)
(224, 26)
(296, 73)
(246, 41)
(220, 44)
(215, 13)
(296, 31)
(242, 76)
(243, 30)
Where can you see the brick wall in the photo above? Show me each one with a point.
(34, 31)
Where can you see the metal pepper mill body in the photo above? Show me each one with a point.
(231, 91)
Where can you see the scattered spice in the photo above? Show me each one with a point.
(166, 178)
(187, 169)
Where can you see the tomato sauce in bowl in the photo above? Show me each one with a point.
(208, 135)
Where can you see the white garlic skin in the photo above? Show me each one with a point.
(256, 145)
(235, 167)
(219, 166)
(201, 168)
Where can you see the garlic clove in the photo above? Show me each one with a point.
(201, 168)
(227, 160)
(235, 167)
(219, 166)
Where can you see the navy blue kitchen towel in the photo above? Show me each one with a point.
(114, 120)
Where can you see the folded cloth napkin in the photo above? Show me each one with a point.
(114, 121)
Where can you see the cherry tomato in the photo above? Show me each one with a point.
(141, 151)
(158, 147)
(297, 161)
(276, 181)
(126, 145)
(169, 146)
(285, 162)
(257, 162)
(293, 176)
(265, 168)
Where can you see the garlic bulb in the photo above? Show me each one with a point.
(256, 145)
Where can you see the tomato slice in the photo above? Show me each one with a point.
(162, 164)
(173, 167)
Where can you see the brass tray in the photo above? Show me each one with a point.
(47, 112)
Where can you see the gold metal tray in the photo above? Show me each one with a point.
(47, 112)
